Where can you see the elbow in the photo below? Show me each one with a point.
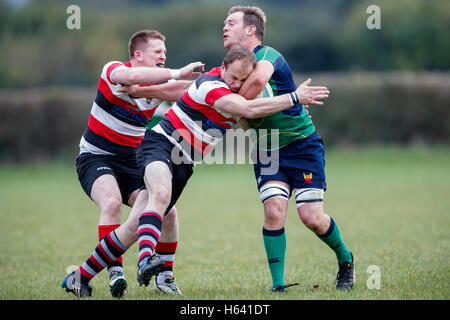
(259, 83)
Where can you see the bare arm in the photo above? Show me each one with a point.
(257, 80)
(170, 91)
(147, 75)
(237, 105)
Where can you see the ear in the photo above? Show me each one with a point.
(138, 55)
(251, 30)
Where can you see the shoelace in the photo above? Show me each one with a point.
(282, 287)
(290, 285)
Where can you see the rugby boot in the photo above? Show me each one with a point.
(345, 278)
(117, 284)
(149, 267)
(77, 288)
(166, 283)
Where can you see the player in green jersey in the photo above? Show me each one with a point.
(299, 150)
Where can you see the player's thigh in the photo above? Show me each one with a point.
(158, 180)
(275, 196)
(105, 190)
(98, 178)
(154, 159)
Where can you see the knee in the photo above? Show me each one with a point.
(161, 196)
(110, 207)
(275, 210)
(313, 218)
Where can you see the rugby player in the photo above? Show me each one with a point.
(183, 134)
(106, 166)
(300, 148)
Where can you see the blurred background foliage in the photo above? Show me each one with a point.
(314, 35)
(388, 86)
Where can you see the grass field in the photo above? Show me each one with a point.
(392, 206)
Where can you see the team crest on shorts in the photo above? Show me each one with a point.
(307, 177)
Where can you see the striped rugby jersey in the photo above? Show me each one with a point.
(117, 122)
(193, 124)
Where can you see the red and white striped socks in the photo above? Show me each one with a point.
(149, 231)
(104, 230)
(166, 250)
(107, 251)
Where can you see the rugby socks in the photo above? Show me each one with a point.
(166, 251)
(149, 231)
(275, 245)
(334, 240)
(104, 230)
(107, 251)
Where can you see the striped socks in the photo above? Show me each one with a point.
(103, 231)
(149, 231)
(166, 250)
(107, 251)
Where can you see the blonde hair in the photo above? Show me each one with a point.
(141, 37)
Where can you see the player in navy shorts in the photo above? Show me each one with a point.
(291, 138)
(301, 164)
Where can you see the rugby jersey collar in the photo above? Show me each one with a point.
(256, 49)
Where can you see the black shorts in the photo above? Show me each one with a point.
(124, 169)
(156, 147)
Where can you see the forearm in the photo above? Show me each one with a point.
(171, 91)
(141, 75)
(251, 88)
(237, 105)
(257, 80)
(263, 107)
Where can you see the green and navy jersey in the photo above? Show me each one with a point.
(290, 124)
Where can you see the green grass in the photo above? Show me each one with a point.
(391, 206)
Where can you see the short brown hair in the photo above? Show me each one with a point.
(239, 53)
(142, 37)
(252, 16)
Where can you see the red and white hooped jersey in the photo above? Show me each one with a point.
(117, 122)
(193, 124)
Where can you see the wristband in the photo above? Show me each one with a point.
(295, 97)
(175, 73)
(291, 98)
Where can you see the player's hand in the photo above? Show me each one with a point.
(189, 71)
(309, 95)
(132, 90)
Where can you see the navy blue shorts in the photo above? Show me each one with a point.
(301, 164)
(156, 147)
(124, 169)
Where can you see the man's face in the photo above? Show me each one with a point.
(153, 53)
(235, 74)
(234, 30)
